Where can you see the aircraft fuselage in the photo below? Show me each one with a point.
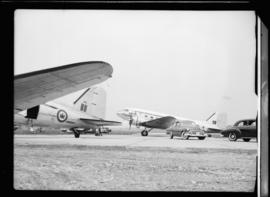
(138, 116)
(52, 115)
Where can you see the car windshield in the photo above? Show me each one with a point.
(188, 124)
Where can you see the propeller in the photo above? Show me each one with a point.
(130, 123)
(130, 120)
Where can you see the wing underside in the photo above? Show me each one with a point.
(160, 123)
(39, 87)
(100, 122)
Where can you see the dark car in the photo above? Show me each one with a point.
(186, 129)
(245, 129)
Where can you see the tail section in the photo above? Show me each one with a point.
(218, 119)
(222, 120)
(92, 101)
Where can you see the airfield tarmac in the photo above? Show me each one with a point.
(135, 140)
(133, 163)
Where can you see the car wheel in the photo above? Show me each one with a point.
(246, 139)
(201, 138)
(77, 135)
(232, 136)
(144, 133)
(185, 135)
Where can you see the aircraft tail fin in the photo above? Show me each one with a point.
(219, 119)
(92, 101)
(207, 119)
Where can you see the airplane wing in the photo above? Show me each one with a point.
(39, 87)
(100, 122)
(159, 123)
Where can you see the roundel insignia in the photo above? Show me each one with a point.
(62, 116)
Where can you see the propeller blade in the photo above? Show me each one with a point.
(130, 123)
(130, 120)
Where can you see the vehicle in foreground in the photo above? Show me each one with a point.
(243, 129)
(186, 129)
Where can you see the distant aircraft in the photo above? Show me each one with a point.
(151, 120)
(35, 91)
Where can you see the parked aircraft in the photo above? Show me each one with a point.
(151, 120)
(34, 92)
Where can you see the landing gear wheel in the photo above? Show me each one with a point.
(185, 135)
(76, 134)
(201, 138)
(246, 139)
(232, 136)
(171, 136)
(144, 133)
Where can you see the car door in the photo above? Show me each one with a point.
(247, 130)
(253, 129)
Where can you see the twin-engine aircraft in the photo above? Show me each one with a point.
(35, 94)
(155, 120)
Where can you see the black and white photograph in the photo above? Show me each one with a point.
(137, 100)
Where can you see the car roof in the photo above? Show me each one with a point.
(251, 119)
(243, 120)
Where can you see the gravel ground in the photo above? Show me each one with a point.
(81, 167)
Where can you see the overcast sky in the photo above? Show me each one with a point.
(184, 63)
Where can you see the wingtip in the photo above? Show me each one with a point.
(109, 67)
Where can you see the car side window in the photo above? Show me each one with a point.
(246, 123)
(253, 123)
(240, 124)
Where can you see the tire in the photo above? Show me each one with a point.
(144, 133)
(76, 134)
(171, 136)
(184, 135)
(246, 139)
(201, 138)
(232, 136)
